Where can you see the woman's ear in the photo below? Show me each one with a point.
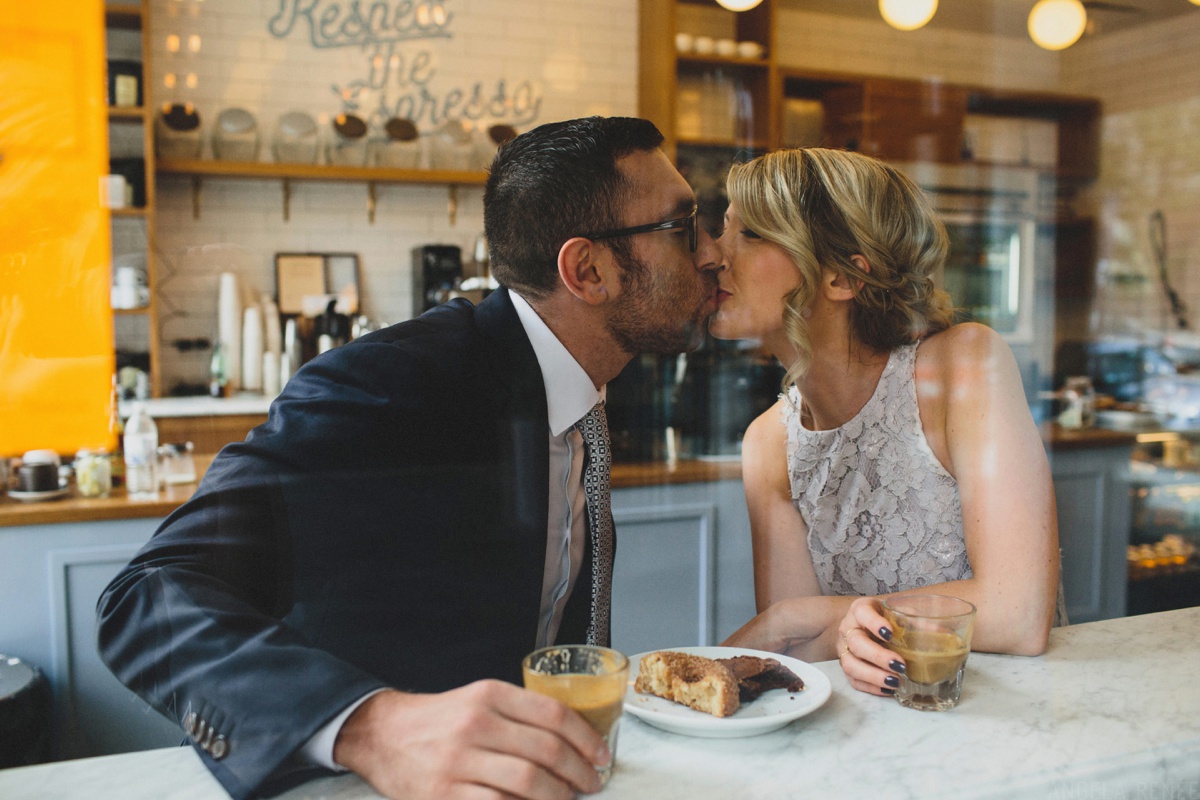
(582, 270)
(840, 286)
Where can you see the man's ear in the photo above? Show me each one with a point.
(582, 268)
(839, 285)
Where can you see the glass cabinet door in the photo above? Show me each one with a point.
(988, 273)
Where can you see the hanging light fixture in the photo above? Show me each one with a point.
(738, 5)
(907, 15)
(1057, 24)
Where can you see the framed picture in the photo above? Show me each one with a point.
(320, 277)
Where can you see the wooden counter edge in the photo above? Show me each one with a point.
(74, 508)
(1058, 438)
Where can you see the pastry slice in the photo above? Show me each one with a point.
(757, 675)
(697, 682)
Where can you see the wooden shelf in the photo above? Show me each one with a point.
(127, 212)
(317, 172)
(697, 60)
(127, 114)
(127, 16)
(728, 144)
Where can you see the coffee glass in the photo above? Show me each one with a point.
(590, 680)
(933, 634)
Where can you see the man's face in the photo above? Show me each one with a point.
(668, 293)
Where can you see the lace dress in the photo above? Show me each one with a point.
(883, 514)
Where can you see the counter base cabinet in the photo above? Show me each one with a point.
(1093, 529)
(683, 577)
(52, 577)
(683, 574)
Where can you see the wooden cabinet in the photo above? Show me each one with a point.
(131, 137)
(698, 95)
(897, 120)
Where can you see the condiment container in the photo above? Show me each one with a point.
(176, 463)
(93, 472)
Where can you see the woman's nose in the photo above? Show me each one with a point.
(708, 255)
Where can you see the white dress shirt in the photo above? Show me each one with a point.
(570, 395)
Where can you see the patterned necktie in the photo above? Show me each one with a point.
(594, 429)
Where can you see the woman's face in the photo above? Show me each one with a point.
(755, 278)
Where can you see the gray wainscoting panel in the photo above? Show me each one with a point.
(97, 714)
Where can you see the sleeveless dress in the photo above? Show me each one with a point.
(883, 514)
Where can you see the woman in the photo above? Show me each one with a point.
(903, 456)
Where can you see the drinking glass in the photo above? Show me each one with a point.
(933, 633)
(590, 680)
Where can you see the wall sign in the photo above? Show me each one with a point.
(398, 77)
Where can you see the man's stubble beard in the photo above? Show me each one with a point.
(645, 320)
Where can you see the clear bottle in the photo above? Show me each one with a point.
(116, 434)
(141, 453)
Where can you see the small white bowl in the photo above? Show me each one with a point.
(704, 45)
(726, 47)
(684, 42)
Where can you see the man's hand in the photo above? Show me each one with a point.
(489, 739)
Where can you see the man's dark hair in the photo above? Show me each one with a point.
(554, 182)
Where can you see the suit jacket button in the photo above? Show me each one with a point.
(208, 738)
(189, 724)
(219, 748)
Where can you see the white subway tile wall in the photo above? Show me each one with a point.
(1148, 79)
(553, 59)
(581, 58)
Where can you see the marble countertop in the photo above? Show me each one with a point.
(1112, 710)
(201, 406)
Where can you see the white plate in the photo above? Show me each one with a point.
(33, 497)
(770, 712)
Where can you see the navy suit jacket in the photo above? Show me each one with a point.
(385, 527)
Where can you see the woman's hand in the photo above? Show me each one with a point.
(869, 666)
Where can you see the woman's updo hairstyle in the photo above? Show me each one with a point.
(823, 206)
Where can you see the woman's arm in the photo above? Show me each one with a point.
(1009, 516)
(977, 421)
(782, 564)
(793, 616)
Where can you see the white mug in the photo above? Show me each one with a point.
(113, 191)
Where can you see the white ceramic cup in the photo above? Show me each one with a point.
(704, 45)
(749, 49)
(725, 47)
(684, 42)
(113, 191)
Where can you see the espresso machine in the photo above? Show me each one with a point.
(437, 270)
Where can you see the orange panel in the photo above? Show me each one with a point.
(56, 328)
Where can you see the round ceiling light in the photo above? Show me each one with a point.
(1057, 24)
(738, 5)
(907, 15)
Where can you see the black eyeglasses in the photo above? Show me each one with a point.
(688, 223)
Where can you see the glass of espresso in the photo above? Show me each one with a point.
(590, 680)
(933, 633)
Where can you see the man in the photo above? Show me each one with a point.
(348, 583)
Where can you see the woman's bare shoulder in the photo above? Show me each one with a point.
(965, 351)
(764, 446)
(769, 424)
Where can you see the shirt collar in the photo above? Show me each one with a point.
(570, 393)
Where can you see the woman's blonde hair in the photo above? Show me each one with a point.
(823, 206)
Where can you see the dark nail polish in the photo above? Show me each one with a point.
(893, 681)
(888, 692)
(885, 633)
(896, 666)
